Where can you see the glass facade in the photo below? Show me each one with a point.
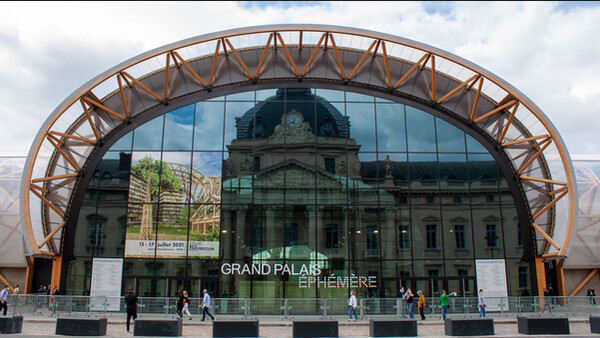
(298, 193)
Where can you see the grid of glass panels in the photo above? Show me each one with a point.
(352, 184)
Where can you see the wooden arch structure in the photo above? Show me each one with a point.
(245, 59)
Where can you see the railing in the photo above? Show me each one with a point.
(288, 308)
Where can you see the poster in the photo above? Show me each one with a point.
(105, 290)
(174, 210)
(491, 277)
(170, 249)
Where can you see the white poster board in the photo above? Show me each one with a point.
(491, 277)
(105, 290)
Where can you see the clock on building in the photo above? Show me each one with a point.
(293, 119)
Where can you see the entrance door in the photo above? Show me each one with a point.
(148, 286)
(145, 286)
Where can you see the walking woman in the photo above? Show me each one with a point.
(352, 306)
(186, 302)
(481, 304)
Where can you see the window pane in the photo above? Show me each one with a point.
(355, 97)
(176, 171)
(149, 136)
(390, 128)
(457, 234)
(178, 129)
(453, 173)
(420, 131)
(299, 179)
(124, 143)
(264, 94)
(474, 146)
(242, 111)
(331, 95)
(361, 118)
(208, 131)
(449, 138)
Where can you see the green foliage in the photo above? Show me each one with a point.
(168, 180)
(212, 235)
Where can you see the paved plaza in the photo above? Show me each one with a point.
(271, 327)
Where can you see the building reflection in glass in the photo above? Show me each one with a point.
(352, 183)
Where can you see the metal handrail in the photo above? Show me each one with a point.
(87, 306)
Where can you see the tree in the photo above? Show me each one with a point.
(159, 173)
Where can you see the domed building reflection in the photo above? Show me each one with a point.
(349, 185)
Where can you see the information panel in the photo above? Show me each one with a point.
(491, 277)
(105, 290)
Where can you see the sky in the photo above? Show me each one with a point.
(548, 50)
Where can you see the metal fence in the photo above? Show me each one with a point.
(288, 308)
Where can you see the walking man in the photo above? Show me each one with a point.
(131, 301)
(4, 299)
(206, 306)
(352, 306)
(180, 304)
(481, 304)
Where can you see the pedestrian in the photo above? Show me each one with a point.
(131, 301)
(421, 304)
(186, 304)
(481, 304)
(206, 306)
(180, 304)
(553, 295)
(444, 302)
(410, 303)
(53, 301)
(4, 299)
(547, 300)
(17, 291)
(403, 301)
(352, 306)
(591, 293)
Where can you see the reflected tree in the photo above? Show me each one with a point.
(168, 180)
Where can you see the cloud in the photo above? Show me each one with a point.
(547, 50)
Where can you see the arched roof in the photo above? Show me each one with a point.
(87, 122)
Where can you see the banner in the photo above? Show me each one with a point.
(491, 277)
(170, 249)
(105, 290)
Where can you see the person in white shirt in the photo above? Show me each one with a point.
(206, 305)
(4, 298)
(352, 306)
(186, 303)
